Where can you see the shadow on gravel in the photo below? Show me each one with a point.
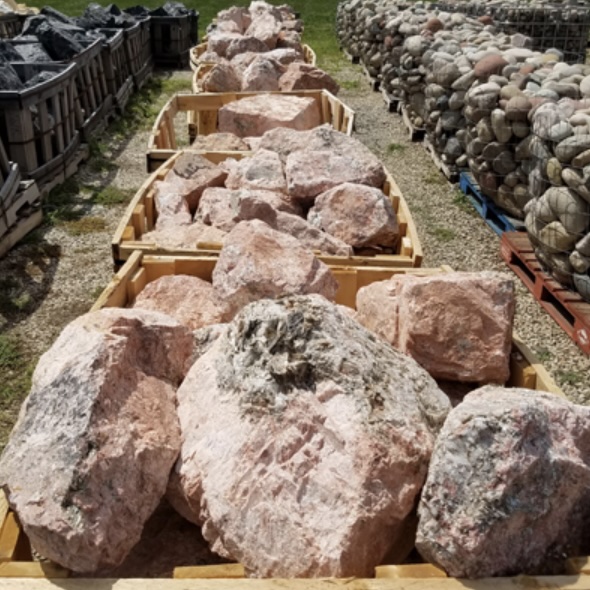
(26, 276)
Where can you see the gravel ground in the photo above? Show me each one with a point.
(57, 273)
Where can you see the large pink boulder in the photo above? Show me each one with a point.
(255, 115)
(258, 262)
(191, 301)
(245, 44)
(172, 209)
(265, 27)
(221, 78)
(89, 458)
(289, 40)
(184, 236)
(220, 142)
(218, 42)
(359, 215)
(458, 325)
(286, 55)
(225, 208)
(302, 76)
(262, 75)
(325, 138)
(508, 487)
(306, 441)
(241, 61)
(190, 176)
(264, 170)
(311, 172)
(236, 17)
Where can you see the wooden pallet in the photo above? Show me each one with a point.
(414, 133)
(497, 219)
(374, 82)
(30, 218)
(141, 215)
(11, 25)
(171, 39)
(566, 307)
(117, 68)
(202, 112)
(391, 102)
(26, 194)
(451, 173)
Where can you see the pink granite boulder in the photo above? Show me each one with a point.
(241, 61)
(262, 75)
(265, 27)
(218, 42)
(245, 44)
(359, 215)
(238, 16)
(255, 115)
(191, 301)
(286, 55)
(172, 209)
(221, 78)
(220, 142)
(184, 236)
(257, 262)
(289, 40)
(458, 325)
(310, 172)
(190, 176)
(263, 170)
(306, 441)
(90, 456)
(326, 138)
(508, 487)
(302, 76)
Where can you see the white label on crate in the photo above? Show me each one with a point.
(582, 336)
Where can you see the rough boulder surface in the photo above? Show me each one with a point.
(458, 326)
(258, 262)
(221, 78)
(189, 300)
(302, 76)
(305, 440)
(264, 170)
(356, 214)
(253, 116)
(190, 176)
(90, 456)
(508, 487)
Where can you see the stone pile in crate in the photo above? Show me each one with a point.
(259, 28)
(321, 187)
(558, 219)
(564, 26)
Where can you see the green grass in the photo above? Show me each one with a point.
(350, 84)
(461, 201)
(543, 355)
(318, 16)
(569, 377)
(16, 370)
(61, 205)
(435, 178)
(444, 234)
(85, 225)
(111, 195)
(393, 148)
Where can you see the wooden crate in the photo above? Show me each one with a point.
(202, 69)
(309, 56)
(141, 269)
(138, 51)
(11, 25)
(172, 39)
(202, 111)
(141, 215)
(39, 124)
(117, 68)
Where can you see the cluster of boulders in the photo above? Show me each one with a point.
(564, 25)
(477, 90)
(246, 413)
(259, 28)
(320, 186)
(558, 219)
